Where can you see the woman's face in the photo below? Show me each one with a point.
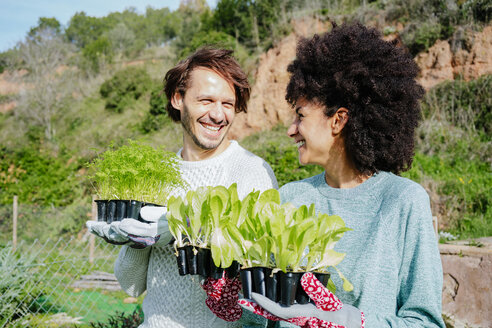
(313, 133)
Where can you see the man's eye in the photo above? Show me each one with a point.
(205, 101)
(228, 105)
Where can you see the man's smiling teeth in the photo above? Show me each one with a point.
(300, 143)
(211, 127)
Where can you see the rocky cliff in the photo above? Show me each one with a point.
(467, 54)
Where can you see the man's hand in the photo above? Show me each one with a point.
(137, 234)
(329, 312)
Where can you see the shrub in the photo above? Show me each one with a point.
(467, 105)
(281, 153)
(19, 294)
(121, 320)
(37, 178)
(124, 88)
(157, 114)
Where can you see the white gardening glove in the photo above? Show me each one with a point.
(138, 234)
(327, 312)
(147, 234)
(107, 231)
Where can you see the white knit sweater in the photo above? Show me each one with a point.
(179, 301)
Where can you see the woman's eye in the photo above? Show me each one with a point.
(206, 101)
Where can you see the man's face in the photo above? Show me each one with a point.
(207, 110)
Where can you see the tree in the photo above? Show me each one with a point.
(45, 23)
(46, 91)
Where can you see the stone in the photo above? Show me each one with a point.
(467, 284)
(130, 300)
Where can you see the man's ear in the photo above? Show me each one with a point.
(340, 118)
(177, 100)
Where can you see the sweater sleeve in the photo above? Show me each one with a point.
(130, 269)
(420, 276)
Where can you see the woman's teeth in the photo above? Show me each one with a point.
(300, 143)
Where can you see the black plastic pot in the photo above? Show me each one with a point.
(247, 282)
(233, 270)
(258, 275)
(181, 260)
(111, 213)
(102, 208)
(191, 260)
(121, 206)
(133, 209)
(301, 296)
(203, 262)
(271, 285)
(288, 287)
(215, 272)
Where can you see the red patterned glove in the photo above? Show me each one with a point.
(329, 312)
(223, 296)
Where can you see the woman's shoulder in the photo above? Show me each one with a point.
(398, 187)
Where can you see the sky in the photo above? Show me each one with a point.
(18, 16)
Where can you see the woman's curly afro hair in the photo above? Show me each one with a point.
(352, 67)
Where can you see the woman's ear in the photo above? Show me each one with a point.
(340, 118)
(177, 100)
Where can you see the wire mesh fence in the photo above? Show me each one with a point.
(59, 283)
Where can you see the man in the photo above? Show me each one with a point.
(205, 91)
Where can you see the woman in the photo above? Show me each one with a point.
(357, 107)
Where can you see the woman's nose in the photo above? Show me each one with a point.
(292, 130)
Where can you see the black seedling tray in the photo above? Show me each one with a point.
(117, 210)
(281, 287)
(202, 263)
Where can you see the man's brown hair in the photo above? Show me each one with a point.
(220, 61)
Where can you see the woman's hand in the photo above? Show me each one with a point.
(329, 312)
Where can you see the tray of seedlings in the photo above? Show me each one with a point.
(199, 224)
(271, 244)
(133, 176)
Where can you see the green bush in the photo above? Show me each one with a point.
(464, 185)
(20, 296)
(208, 38)
(37, 177)
(281, 153)
(124, 88)
(121, 320)
(157, 115)
(467, 105)
(96, 52)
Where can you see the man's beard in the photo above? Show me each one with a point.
(187, 125)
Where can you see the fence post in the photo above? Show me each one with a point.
(14, 225)
(92, 237)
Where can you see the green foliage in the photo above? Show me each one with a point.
(124, 88)
(121, 320)
(97, 52)
(257, 231)
(281, 153)
(212, 38)
(83, 29)
(467, 105)
(36, 177)
(136, 172)
(45, 23)
(157, 114)
(20, 295)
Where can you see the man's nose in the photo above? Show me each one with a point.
(217, 113)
